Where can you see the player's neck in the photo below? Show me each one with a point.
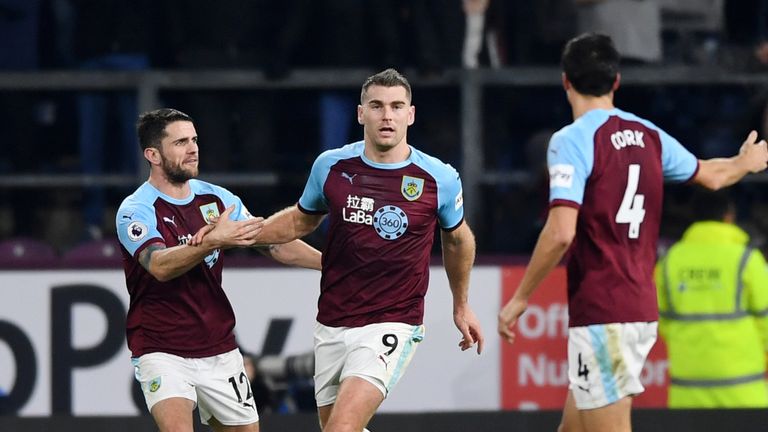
(173, 190)
(387, 155)
(581, 104)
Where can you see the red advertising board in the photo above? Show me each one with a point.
(534, 369)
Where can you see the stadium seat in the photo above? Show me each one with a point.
(94, 253)
(25, 253)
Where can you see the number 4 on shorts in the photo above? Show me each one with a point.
(583, 369)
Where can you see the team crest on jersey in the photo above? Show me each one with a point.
(412, 187)
(209, 211)
(154, 385)
(137, 231)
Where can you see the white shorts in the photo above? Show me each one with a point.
(218, 384)
(605, 361)
(378, 353)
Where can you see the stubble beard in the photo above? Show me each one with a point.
(177, 174)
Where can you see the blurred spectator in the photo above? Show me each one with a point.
(355, 35)
(484, 33)
(18, 34)
(532, 190)
(746, 24)
(634, 26)
(713, 298)
(535, 32)
(474, 22)
(237, 126)
(438, 28)
(19, 27)
(456, 33)
(19, 21)
(113, 35)
(692, 30)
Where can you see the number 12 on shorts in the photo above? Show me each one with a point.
(244, 381)
(631, 210)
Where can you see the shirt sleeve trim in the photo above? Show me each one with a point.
(453, 228)
(566, 203)
(696, 171)
(310, 212)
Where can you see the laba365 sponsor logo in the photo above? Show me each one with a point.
(357, 210)
(390, 222)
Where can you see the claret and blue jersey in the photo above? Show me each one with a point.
(382, 225)
(190, 315)
(611, 165)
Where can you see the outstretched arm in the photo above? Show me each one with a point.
(555, 239)
(295, 253)
(168, 263)
(718, 173)
(458, 257)
(287, 225)
(282, 227)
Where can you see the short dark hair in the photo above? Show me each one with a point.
(710, 205)
(591, 63)
(386, 78)
(151, 125)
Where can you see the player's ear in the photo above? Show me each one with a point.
(360, 114)
(616, 82)
(152, 155)
(411, 115)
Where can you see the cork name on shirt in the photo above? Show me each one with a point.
(627, 137)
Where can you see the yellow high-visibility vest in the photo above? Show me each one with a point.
(713, 304)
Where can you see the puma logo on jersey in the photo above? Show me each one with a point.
(349, 177)
(170, 220)
(627, 137)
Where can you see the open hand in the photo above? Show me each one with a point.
(469, 326)
(225, 232)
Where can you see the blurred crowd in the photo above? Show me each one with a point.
(50, 132)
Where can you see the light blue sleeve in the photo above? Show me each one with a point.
(677, 162)
(136, 226)
(313, 198)
(450, 198)
(570, 165)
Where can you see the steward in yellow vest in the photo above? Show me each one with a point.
(713, 303)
